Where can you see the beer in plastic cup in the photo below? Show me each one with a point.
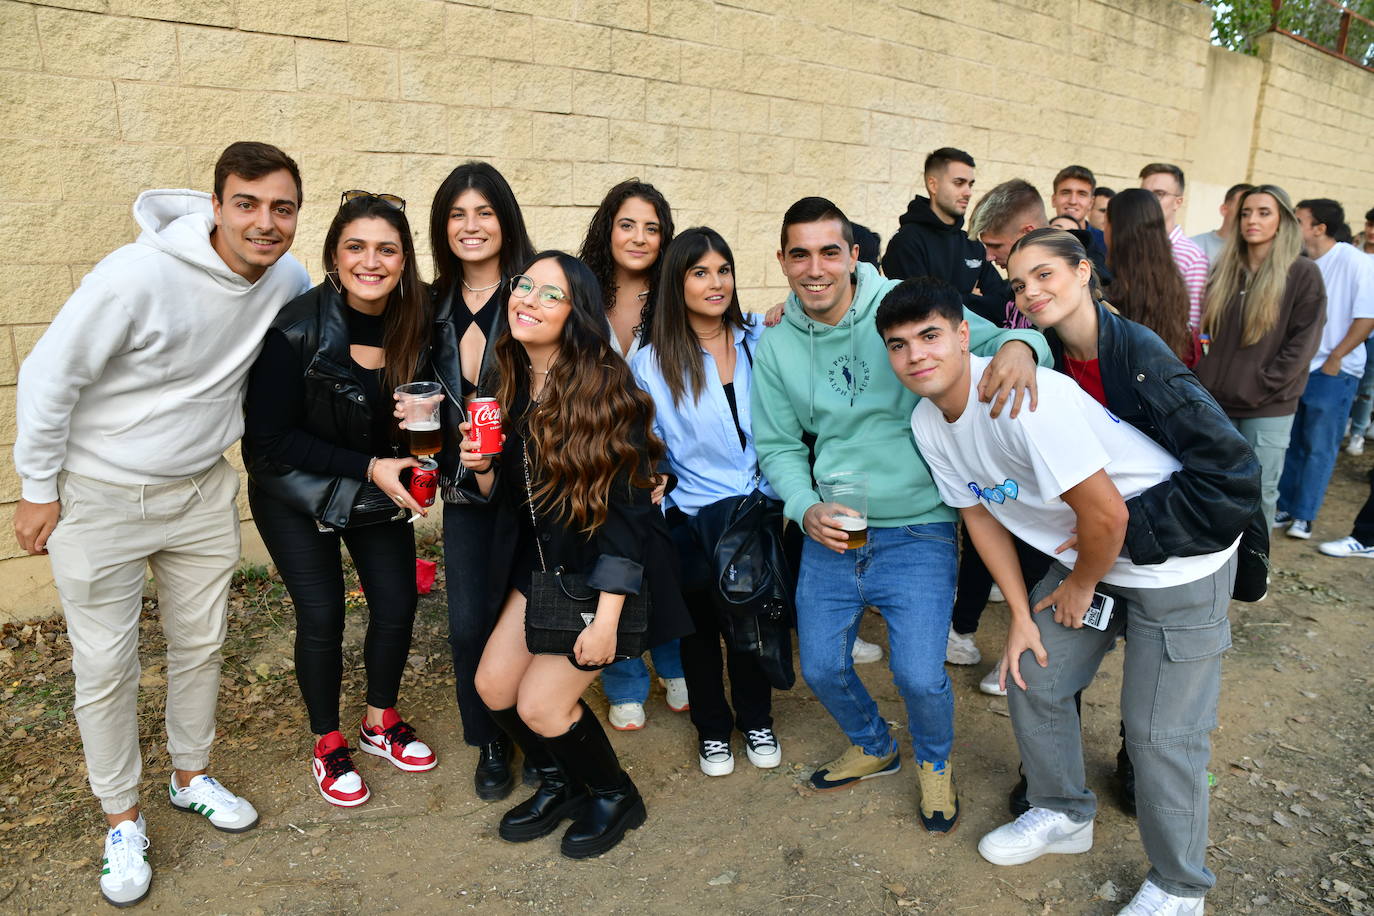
(849, 489)
(420, 403)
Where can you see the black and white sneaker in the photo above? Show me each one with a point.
(716, 758)
(763, 748)
(1301, 528)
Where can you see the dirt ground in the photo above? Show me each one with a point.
(1292, 815)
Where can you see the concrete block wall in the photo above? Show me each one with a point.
(734, 108)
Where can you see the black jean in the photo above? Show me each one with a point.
(1364, 521)
(467, 552)
(750, 691)
(310, 564)
(975, 582)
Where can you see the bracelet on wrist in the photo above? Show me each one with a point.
(371, 466)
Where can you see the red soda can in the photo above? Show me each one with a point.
(424, 481)
(485, 414)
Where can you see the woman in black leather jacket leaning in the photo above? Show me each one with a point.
(1202, 508)
(323, 456)
(479, 242)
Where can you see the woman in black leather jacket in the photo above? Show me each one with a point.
(574, 495)
(1206, 505)
(478, 238)
(323, 456)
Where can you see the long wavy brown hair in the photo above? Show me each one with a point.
(592, 428)
(596, 247)
(1146, 284)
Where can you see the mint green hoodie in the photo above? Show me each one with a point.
(835, 383)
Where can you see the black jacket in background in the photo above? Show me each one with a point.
(1204, 506)
(926, 247)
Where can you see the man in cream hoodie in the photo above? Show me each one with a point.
(126, 405)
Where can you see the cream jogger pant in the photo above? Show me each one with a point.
(108, 536)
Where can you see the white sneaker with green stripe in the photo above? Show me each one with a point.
(124, 871)
(206, 797)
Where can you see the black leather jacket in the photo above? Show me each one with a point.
(1205, 506)
(336, 407)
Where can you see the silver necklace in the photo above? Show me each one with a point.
(480, 289)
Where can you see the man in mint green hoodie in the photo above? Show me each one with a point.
(822, 387)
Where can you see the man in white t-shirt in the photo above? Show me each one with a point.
(1058, 478)
(1335, 370)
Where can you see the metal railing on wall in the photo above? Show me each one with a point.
(1328, 26)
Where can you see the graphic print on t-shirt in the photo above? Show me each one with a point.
(998, 493)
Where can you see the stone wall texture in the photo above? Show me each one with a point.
(733, 108)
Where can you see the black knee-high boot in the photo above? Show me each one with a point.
(615, 806)
(555, 799)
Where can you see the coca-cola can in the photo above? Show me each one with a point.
(485, 416)
(424, 481)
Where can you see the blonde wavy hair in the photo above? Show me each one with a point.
(1263, 289)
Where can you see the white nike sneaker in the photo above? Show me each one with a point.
(124, 871)
(206, 797)
(1153, 900)
(1032, 835)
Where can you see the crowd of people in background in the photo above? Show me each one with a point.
(1205, 385)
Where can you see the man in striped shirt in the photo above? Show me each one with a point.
(1165, 181)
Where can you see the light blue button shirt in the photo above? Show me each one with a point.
(703, 446)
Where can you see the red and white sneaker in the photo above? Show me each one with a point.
(396, 741)
(339, 781)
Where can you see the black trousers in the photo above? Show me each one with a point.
(750, 691)
(1364, 521)
(975, 582)
(311, 565)
(467, 551)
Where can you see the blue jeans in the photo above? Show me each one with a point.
(1364, 396)
(908, 573)
(627, 681)
(1316, 438)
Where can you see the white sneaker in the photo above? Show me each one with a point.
(124, 872)
(1356, 446)
(865, 652)
(1346, 547)
(715, 758)
(675, 690)
(1153, 900)
(1033, 834)
(989, 683)
(996, 595)
(206, 797)
(626, 717)
(762, 748)
(961, 650)
(1301, 528)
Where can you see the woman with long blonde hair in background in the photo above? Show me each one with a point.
(1262, 320)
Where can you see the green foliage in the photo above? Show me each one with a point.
(1238, 24)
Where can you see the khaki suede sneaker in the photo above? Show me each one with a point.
(855, 765)
(939, 798)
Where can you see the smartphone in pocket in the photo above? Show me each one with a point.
(1099, 612)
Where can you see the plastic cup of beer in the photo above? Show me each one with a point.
(419, 402)
(850, 490)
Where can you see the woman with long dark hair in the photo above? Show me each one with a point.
(625, 240)
(1262, 321)
(323, 456)
(1146, 284)
(573, 495)
(478, 239)
(698, 369)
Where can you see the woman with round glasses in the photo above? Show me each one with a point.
(626, 237)
(325, 466)
(573, 494)
(479, 242)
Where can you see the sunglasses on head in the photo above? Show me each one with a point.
(398, 202)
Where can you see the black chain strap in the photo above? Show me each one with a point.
(529, 496)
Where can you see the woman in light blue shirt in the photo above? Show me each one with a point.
(698, 369)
